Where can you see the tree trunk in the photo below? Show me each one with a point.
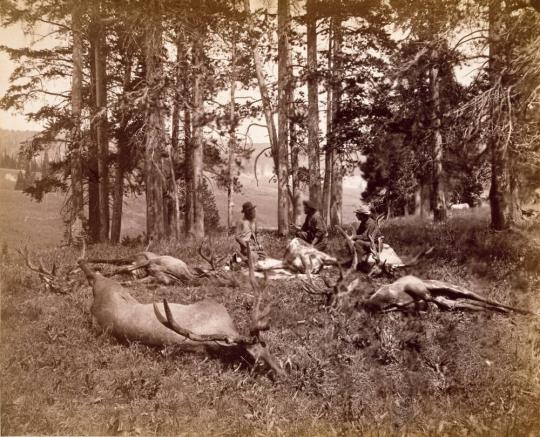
(328, 150)
(92, 163)
(418, 201)
(295, 182)
(283, 115)
(263, 90)
(118, 199)
(174, 220)
(102, 132)
(177, 103)
(123, 153)
(438, 202)
(197, 227)
(155, 218)
(77, 203)
(503, 194)
(313, 106)
(336, 196)
(232, 136)
(45, 165)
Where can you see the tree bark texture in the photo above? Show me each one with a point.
(313, 106)
(263, 90)
(336, 192)
(77, 203)
(328, 150)
(283, 115)
(197, 227)
(92, 163)
(232, 136)
(102, 131)
(503, 195)
(123, 154)
(155, 218)
(438, 202)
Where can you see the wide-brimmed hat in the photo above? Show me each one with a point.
(363, 209)
(310, 204)
(248, 206)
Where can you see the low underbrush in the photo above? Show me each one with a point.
(348, 373)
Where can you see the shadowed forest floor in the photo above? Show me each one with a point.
(348, 373)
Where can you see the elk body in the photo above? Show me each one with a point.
(457, 206)
(203, 326)
(407, 292)
(164, 268)
(299, 257)
(404, 293)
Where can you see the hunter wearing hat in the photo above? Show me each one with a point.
(246, 233)
(314, 229)
(367, 227)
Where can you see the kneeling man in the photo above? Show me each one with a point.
(313, 230)
(246, 233)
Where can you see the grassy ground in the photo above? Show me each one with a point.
(348, 373)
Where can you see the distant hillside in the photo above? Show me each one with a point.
(10, 140)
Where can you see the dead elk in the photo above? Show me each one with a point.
(408, 292)
(203, 326)
(163, 268)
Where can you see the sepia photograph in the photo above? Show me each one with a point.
(270, 218)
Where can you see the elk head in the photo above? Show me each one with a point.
(52, 281)
(336, 292)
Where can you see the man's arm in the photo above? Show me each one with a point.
(363, 239)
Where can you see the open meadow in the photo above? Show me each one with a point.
(348, 372)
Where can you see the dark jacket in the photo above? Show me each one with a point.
(365, 229)
(314, 228)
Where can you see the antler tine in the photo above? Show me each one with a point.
(352, 250)
(210, 260)
(169, 322)
(43, 269)
(260, 320)
(26, 256)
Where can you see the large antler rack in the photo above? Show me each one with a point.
(41, 269)
(332, 290)
(210, 257)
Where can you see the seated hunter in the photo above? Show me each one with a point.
(313, 230)
(367, 230)
(246, 234)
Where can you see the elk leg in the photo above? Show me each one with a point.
(451, 305)
(453, 291)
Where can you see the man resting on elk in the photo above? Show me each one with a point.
(313, 230)
(246, 234)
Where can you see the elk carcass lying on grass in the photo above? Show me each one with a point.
(404, 293)
(164, 268)
(299, 257)
(202, 326)
(408, 292)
